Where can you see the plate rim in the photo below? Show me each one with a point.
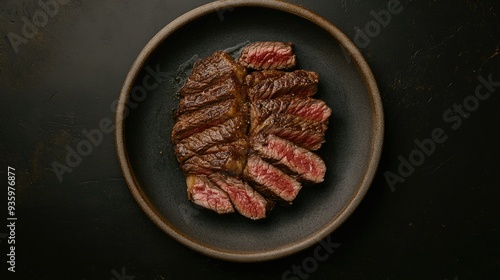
(376, 144)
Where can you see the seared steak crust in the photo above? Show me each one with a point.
(227, 89)
(269, 84)
(305, 107)
(229, 131)
(229, 158)
(305, 133)
(197, 121)
(212, 70)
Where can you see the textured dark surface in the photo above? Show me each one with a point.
(442, 222)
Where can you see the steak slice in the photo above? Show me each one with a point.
(267, 55)
(308, 166)
(197, 143)
(212, 70)
(305, 133)
(310, 109)
(271, 181)
(305, 107)
(203, 192)
(229, 158)
(227, 89)
(247, 201)
(269, 84)
(194, 122)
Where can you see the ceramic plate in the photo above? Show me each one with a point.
(144, 122)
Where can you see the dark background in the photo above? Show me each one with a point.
(442, 222)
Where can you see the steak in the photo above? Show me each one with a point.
(307, 166)
(229, 131)
(245, 141)
(227, 89)
(247, 201)
(269, 84)
(212, 70)
(307, 108)
(203, 192)
(197, 121)
(305, 133)
(230, 158)
(271, 181)
(267, 55)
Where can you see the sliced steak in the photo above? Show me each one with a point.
(212, 70)
(229, 131)
(219, 102)
(247, 201)
(269, 84)
(197, 121)
(305, 133)
(267, 55)
(305, 107)
(203, 192)
(229, 158)
(308, 166)
(271, 181)
(227, 89)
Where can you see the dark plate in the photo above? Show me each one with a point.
(352, 150)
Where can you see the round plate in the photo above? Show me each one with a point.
(351, 152)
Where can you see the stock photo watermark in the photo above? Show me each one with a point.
(379, 19)
(121, 276)
(94, 137)
(454, 117)
(310, 264)
(31, 26)
(11, 218)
